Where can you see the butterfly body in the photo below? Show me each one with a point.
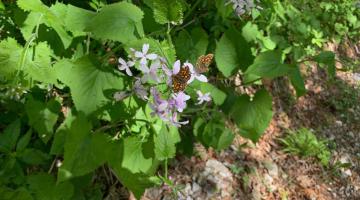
(179, 80)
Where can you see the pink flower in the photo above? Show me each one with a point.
(144, 56)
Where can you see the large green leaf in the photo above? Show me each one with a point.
(41, 14)
(117, 22)
(168, 11)
(42, 117)
(83, 151)
(269, 65)
(77, 19)
(136, 182)
(189, 46)
(10, 136)
(44, 187)
(134, 158)
(87, 82)
(232, 53)
(165, 141)
(251, 116)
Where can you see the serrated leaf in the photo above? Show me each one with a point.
(269, 65)
(232, 53)
(87, 81)
(251, 116)
(44, 187)
(168, 11)
(10, 52)
(165, 141)
(41, 14)
(10, 136)
(42, 117)
(83, 151)
(57, 146)
(117, 22)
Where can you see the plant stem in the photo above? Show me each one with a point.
(88, 44)
(166, 168)
(192, 9)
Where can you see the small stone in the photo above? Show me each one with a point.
(338, 122)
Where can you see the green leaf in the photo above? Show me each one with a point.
(9, 137)
(168, 11)
(327, 58)
(165, 142)
(33, 157)
(87, 82)
(191, 46)
(18, 194)
(117, 22)
(42, 117)
(57, 147)
(251, 116)
(232, 53)
(213, 133)
(24, 141)
(10, 52)
(41, 14)
(269, 65)
(83, 151)
(44, 187)
(133, 157)
(297, 81)
(251, 32)
(77, 19)
(40, 68)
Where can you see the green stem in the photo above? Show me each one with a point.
(88, 44)
(166, 168)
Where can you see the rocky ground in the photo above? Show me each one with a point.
(247, 171)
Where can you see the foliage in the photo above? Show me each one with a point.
(119, 85)
(304, 143)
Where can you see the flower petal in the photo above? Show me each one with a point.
(176, 67)
(139, 54)
(144, 69)
(128, 71)
(130, 63)
(122, 61)
(151, 56)
(201, 78)
(145, 48)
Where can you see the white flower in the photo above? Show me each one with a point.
(152, 72)
(203, 97)
(195, 74)
(126, 66)
(144, 56)
(140, 90)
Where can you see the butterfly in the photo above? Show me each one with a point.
(203, 63)
(179, 80)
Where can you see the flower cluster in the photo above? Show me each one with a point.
(155, 71)
(242, 6)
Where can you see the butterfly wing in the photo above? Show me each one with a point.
(179, 81)
(203, 63)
